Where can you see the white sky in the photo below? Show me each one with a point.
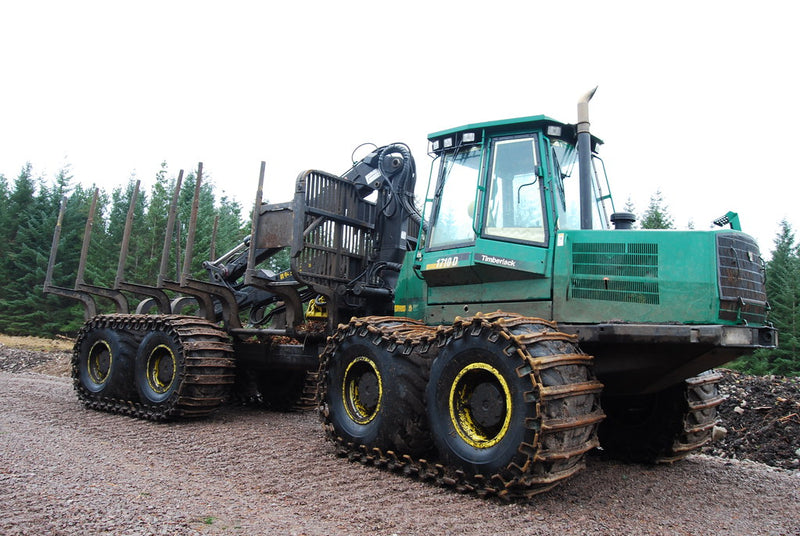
(697, 99)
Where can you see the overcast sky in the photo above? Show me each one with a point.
(695, 99)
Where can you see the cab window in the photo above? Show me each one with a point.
(458, 182)
(514, 201)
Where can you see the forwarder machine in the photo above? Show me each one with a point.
(487, 343)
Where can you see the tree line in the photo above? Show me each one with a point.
(29, 207)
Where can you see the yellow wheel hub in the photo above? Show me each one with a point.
(161, 369)
(99, 363)
(362, 390)
(480, 405)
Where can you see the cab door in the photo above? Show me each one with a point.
(488, 243)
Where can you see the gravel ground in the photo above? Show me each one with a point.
(67, 470)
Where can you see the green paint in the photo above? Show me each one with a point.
(505, 243)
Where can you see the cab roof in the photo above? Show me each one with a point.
(567, 133)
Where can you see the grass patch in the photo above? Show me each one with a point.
(36, 343)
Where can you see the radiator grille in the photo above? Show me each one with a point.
(742, 288)
(598, 267)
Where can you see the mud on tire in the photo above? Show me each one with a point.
(513, 400)
(102, 365)
(372, 393)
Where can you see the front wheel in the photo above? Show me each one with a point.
(513, 400)
(372, 394)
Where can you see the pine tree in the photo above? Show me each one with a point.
(230, 228)
(783, 294)
(5, 222)
(631, 208)
(15, 215)
(22, 308)
(657, 215)
(28, 212)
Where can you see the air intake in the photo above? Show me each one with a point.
(621, 272)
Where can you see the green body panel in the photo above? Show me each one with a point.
(636, 276)
(571, 276)
(596, 276)
(510, 290)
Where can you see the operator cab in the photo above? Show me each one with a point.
(499, 192)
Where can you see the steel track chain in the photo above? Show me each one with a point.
(208, 358)
(702, 399)
(417, 339)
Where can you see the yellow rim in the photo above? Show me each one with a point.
(99, 363)
(362, 390)
(161, 369)
(480, 405)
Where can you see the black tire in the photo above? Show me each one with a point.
(661, 427)
(103, 364)
(477, 407)
(513, 401)
(373, 396)
(160, 368)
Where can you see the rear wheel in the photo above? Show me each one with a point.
(159, 367)
(184, 367)
(355, 391)
(102, 364)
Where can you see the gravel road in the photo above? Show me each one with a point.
(68, 470)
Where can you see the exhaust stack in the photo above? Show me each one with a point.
(585, 159)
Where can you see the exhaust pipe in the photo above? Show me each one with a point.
(585, 159)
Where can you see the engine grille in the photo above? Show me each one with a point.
(742, 287)
(597, 269)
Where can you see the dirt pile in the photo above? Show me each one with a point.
(761, 414)
(762, 417)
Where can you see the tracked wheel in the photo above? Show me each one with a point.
(184, 367)
(512, 403)
(372, 390)
(152, 367)
(661, 427)
(160, 367)
(102, 365)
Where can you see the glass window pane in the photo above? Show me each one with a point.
(453, 220)
(514, 207)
